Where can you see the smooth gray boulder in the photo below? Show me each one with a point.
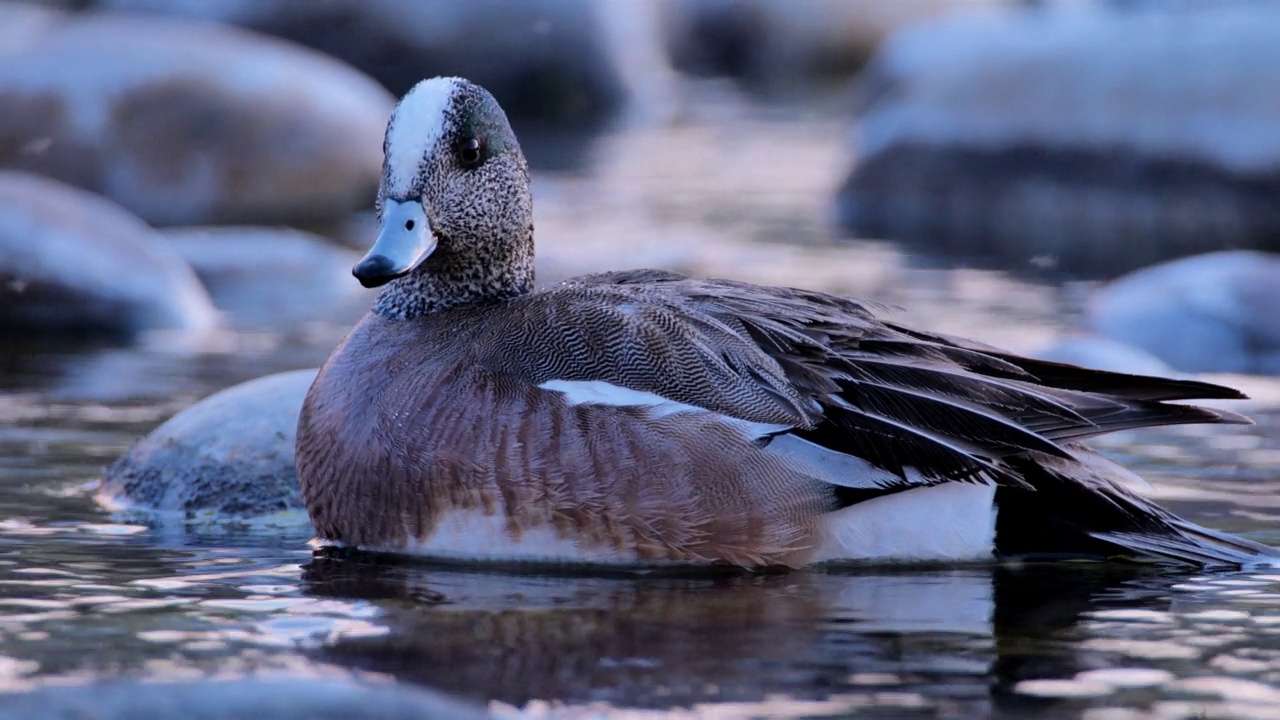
(1082, 136)
(1106, 354)
(229, 456)
(557, 62)
(281, 698)
(266, 278)
(71, 261)
(1207, 313)
(185, 122)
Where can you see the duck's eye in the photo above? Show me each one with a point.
(470, 152)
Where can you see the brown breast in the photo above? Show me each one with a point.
(402, 427)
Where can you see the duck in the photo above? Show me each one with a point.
(645, 418)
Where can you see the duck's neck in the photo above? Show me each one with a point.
(465, 274)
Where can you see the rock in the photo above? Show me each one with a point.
(71, 261)
(281, 698)
(1106, 354)
(187, 123)
(1207, 313)
(551, 61)
(19, 22)
(356, 231)
(274, 278)
(229, 456)
(779, 45)
(1083, 137)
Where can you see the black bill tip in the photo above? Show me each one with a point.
(376, 270)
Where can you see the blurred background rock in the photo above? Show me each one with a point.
(184, 122)
(207, 167)
(561, 62)
(71, 261)
(782, 48)
(1092, 137)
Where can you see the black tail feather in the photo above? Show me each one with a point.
(1073, 512)
(1134, 387)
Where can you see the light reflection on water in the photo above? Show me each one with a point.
(84, 595)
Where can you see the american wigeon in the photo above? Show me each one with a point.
(645, 417)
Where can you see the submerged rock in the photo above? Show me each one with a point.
(71, 261)
(266, 278)
(282, 698)
(1208, 313)
(229, 456)
(1091, 139)
(554, 61)
(184, 122)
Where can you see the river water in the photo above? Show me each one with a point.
(92, 602)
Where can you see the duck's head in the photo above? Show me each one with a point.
(454, 198)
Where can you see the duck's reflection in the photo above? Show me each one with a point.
(953, 640)
(1037, 620)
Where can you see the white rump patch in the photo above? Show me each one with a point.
(473, 535)
(599, 392)
(417, 124)
(950, 522)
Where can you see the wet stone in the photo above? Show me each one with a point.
(778, 46)
(188, 123)
(73, 262)
(1092, 142)
(228, 456)
(1105, 354)
(1206, 313)
(19, 22)
(266, 278)
(556, 62)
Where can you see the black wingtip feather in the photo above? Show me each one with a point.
(1225, 417)
(1067, 376)
(1135, 387)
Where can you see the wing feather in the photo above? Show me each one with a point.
(831, 369)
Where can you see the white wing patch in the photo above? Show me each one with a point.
(835, 467)
(599, 392)
(416, 126)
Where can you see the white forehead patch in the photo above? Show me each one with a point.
(416, 126)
